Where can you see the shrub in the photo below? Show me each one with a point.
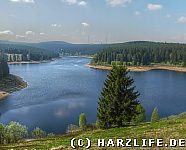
(155, 116)
(15, 132)
(51, 135)
(140, 117)
(82, 121)
(182, 115)
(172, 117)
(2, 133)
(72, 128)
(38, 133)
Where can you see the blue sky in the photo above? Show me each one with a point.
(99, 21)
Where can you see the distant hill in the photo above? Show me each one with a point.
(88, 49)
(83, 49)
(57, 46)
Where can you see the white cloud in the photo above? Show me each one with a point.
(137, 13)
(75, 2)
(70, 2)
(82, 3)
(6, 32)
(41, 33)
(182, 19)
(114, 3)
(56, 25)
(154, 7)
(85, 24)
(24, 1)
(29, 32)
(20, 36)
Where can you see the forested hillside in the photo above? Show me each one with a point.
(58, 46)
(143, 53)
(4, 69)
(34, 53)
(72, 49)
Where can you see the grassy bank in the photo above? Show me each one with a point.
(11, 84)
(172, 128)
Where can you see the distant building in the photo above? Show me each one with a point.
(14, 57)
(28, 57)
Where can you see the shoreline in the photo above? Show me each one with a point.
(10, 84)
(83, 56)
(29, 62)
(141, 68)
(3, 95)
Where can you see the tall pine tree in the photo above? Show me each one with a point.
(118, 100)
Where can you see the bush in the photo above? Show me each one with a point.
(2, 133)
(72, 128)
(140, 117)
(172, 117)
(82, 121)
(155, 116)
(91, 127)
(182, 115)
(51, 135)
(15, 132)
(38, 133)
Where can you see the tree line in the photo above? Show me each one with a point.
(4, 69)
(142, 53)
(29, 52)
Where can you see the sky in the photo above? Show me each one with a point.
(93, 21)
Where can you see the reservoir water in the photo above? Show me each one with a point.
(60, 90)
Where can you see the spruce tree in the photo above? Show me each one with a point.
(118, 100)
(155, 116)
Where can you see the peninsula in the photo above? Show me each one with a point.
(10, 84)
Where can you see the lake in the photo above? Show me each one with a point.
(60, 90)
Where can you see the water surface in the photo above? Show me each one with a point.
(60, 90)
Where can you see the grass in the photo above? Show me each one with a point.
(166, 129)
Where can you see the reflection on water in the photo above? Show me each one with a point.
(60, 90)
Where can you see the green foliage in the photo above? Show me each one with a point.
(118, 100)
(38, 133)
(72, 128)
(50, 135)
(141, 53)
(140, 117)
(98, 124)
(173, 117)
(82, 121)
(164, 129)
(2, 133)
(182, 115)
(15, 132)
(4, 69)
(29, 53)
(155, 116)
